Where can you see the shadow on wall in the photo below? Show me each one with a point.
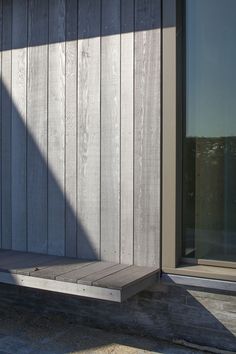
(141, 9)
(26, 196)
(26, 177)
(38, 206)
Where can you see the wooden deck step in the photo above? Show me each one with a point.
(93, 279)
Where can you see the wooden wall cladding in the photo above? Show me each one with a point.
(80, 128)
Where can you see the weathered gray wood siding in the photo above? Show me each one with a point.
(80, 128)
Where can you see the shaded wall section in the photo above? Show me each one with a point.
(80, 128)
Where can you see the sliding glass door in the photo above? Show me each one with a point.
(209, 166)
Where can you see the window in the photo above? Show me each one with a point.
(199, 137)
(209, 174)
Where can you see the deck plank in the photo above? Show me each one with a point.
(6, 254)
(25, 268)
(10, 256)
(125, 277)
(91, 278)
(75, 275)
(65, 266)
(24, 263)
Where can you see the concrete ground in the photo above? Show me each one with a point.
(26, 332)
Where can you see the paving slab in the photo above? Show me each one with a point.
(29, 332)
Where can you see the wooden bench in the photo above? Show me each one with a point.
(93, 279)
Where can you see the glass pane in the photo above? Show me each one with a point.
(209, 177)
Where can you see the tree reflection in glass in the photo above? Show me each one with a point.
(209, 176)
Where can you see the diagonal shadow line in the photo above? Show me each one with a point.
(23, 172)
(147, 17)
(172, 312)
(193, 316)
(214, 324)
(144, 22)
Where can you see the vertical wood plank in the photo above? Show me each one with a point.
(110, 131)
(56, 128)
(37, 126)
(6, 124)
(147, 133)
(1, 28)
(88, 245)
(127, 118)
(19, 78)
(71, 126)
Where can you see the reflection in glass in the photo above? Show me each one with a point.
(209, 177)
